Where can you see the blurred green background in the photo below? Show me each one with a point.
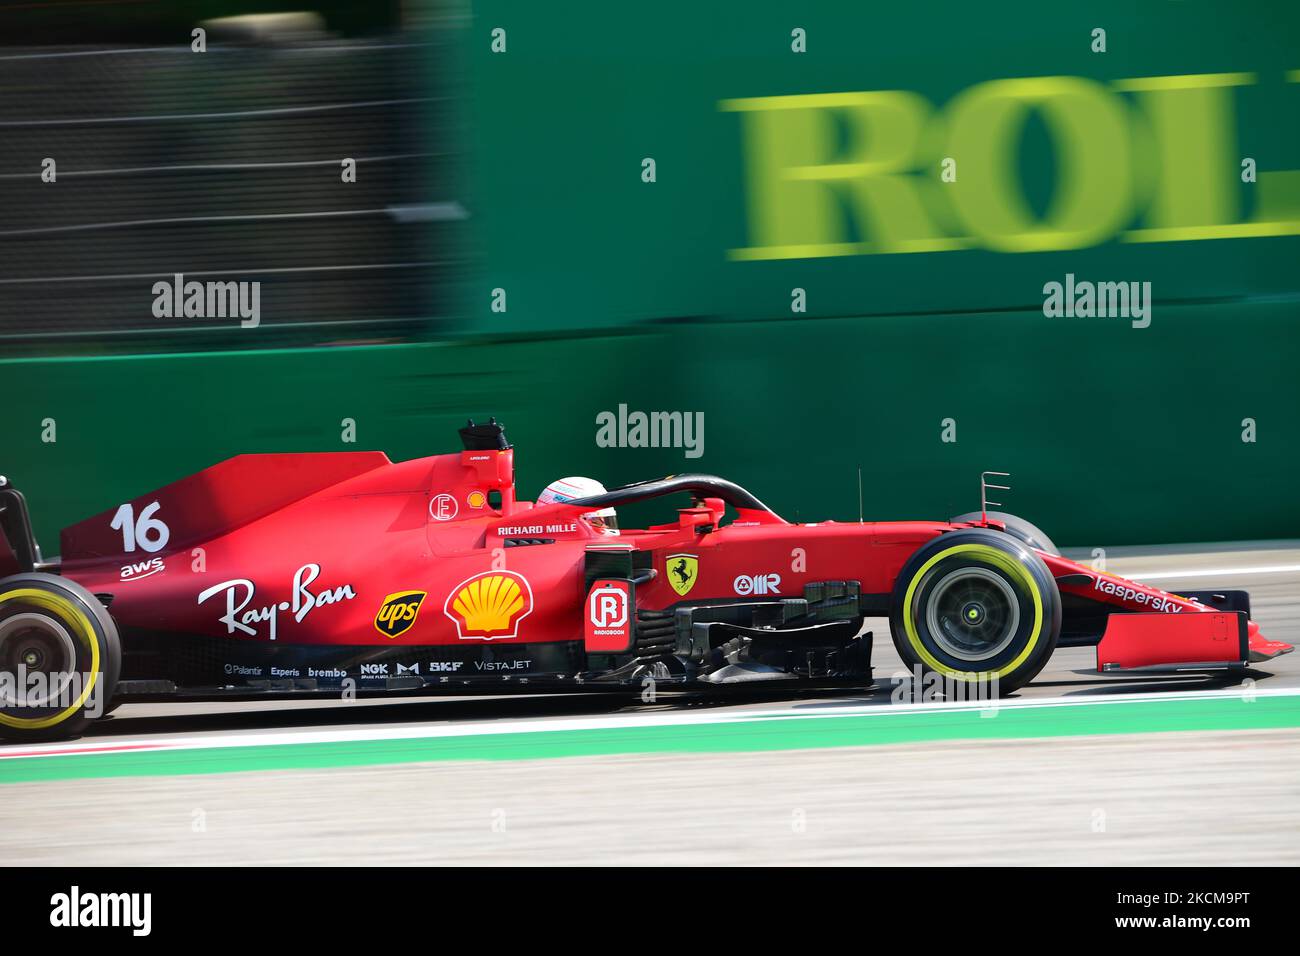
(651, 294)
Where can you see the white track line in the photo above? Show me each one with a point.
(544, 725)
(1211, 573)
(547, 725)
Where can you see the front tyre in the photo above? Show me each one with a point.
(976, 606)
(59, 657)
(1017, 527)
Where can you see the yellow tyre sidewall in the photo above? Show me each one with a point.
(1003, 562)
(67, 611)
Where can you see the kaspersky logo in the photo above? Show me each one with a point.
(1133, 593)
(398, 612)
(489, 606)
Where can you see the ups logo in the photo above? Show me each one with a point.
(398, 612)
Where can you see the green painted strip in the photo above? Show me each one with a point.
(1011, 723)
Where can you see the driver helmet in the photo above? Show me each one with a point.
(604, 521)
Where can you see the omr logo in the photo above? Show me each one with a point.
(747, 584)
(398, 612)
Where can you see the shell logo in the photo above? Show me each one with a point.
(490, 605)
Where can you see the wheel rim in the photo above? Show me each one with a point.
(973, 614)
(40, 645)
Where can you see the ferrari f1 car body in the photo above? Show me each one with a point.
(320, 573)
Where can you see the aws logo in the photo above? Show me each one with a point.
(398, 612)
(142, 569)
(489, 606)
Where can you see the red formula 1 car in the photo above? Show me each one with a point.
(346, 572)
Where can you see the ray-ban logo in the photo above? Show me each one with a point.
(179, 299)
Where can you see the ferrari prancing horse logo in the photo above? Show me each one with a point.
(682, 572)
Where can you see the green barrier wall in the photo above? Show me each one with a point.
(1103, 451)
(822, 170)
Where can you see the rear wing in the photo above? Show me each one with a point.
(19, 551)
(211, 502)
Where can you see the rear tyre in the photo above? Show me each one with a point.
(976, 607)
(1018, 528)
(59, 657)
